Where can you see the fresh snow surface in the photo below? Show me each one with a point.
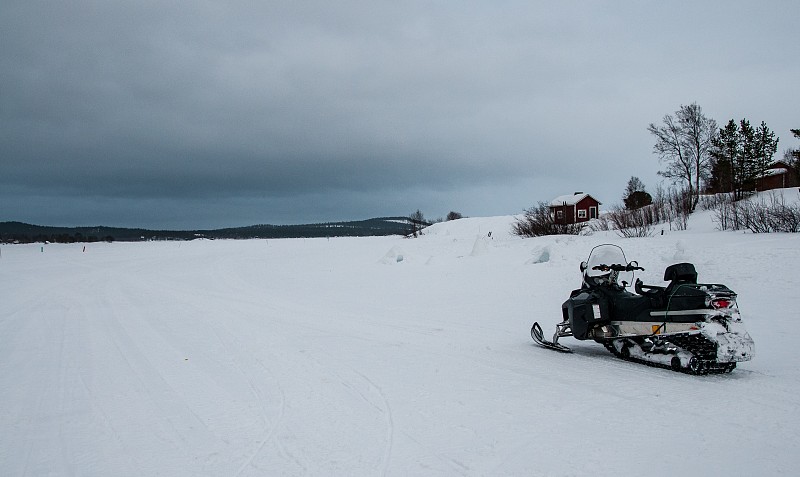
(378, 356)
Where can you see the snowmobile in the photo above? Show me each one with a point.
(686, 326)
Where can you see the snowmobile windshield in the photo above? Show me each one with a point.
(606, 254)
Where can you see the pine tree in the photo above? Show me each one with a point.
(726, 150)
(741, 155)
(635, 195)
(745, 167)
(634, 184)
(765, 147)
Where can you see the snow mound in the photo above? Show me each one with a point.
(394, 255)
(560, 249)
(680, 250)
(540, 255)
(480, 247)
(498, 227)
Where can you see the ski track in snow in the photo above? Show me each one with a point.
(320, 357)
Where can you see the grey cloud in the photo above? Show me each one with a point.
(275, 103)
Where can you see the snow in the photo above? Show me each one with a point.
(774, 172)
(569, 199)
(377, 356)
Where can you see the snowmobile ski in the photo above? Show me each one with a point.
(538, 337)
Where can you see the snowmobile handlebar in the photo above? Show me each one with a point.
(617, 267)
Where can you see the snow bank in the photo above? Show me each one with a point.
(491, 227)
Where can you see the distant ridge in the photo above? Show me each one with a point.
(11, 232)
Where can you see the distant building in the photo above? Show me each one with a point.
(575, 208)
(778, 176)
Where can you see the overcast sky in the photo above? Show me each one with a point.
(207, 114)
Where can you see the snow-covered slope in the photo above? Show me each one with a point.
(377, 356)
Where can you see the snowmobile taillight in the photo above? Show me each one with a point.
(722, 303)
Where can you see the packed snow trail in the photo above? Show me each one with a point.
(321, 357)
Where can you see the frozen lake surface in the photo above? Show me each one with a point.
(377, 356)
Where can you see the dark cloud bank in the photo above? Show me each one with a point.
(211, 114)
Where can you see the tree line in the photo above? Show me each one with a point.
(726, 162)
(11, 232)
(697, 157)
(53, 238)
(732, 158)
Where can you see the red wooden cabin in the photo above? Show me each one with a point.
(575, 208)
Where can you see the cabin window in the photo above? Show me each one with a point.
(560, 214)
(581, 213)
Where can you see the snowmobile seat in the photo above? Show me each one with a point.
(679, 296)
(680, 273)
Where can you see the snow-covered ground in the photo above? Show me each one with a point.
(377, 356)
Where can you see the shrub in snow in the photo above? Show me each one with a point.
(537, 221)
(632, 223)
(763, 215)
(672, 207)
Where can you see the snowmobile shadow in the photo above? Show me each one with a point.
(597, 356)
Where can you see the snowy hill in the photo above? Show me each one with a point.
(377, 356)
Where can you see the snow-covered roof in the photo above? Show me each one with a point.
(569, 199)
(774, 172)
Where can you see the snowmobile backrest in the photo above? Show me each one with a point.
(680, 273)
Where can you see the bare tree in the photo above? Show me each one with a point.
(699, 132)
(683, 145)
(671, 150)
(417, 221)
